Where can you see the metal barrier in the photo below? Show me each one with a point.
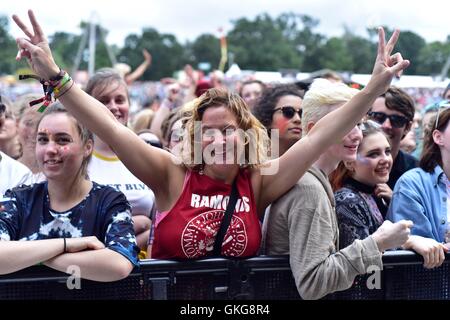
(259, 278)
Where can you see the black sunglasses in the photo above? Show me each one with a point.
(395, 120)
(289, 112)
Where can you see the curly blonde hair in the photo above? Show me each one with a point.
(257, 142)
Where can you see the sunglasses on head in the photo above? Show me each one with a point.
(395, 120)
(368, 125)
(289, 112)
(441, 105)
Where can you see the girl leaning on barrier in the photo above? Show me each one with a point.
(67, 221)
(187, 191)
(361, 193)
(422, 195)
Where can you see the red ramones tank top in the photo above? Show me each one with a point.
(189, 229)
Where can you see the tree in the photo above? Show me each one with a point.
(261, 45)
(433, 57)
(298, 29)
(205, 48)
(362, 53)
(64, 47)
(335, 55)
(409, 44)
(8, 49)
(167, 53)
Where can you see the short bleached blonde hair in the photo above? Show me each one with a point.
(322, 98)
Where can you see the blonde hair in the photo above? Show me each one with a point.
(143, 120)
(258, 140)
(22, 104)
(322, 97)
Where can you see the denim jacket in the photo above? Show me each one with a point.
(421, 197)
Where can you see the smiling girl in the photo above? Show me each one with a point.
(67, 220)
(363, 194)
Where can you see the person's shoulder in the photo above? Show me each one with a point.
(102, 189)
(414, 177)
(106, 193)
(25, 192)
(409, 160)
(345, 194)
(312, 184)
(310, 176)
(11, 164)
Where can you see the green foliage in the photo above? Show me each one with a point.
(433, 56)
(288, 41)
(260, 45)
(206, 48)
(167, 53)
(8, 48)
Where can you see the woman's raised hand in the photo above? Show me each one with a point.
(387, 65)
(35, 48)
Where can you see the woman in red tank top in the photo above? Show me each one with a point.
(224, 142)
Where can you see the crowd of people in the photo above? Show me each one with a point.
(330, 175)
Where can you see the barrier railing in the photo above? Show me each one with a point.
(261, 278)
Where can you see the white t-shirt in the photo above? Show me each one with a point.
(112, 172)
(12, 173)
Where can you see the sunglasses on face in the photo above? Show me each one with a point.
(395, 120)
(289, 112)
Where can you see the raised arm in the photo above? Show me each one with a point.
(334, 126)
(155, 167)
(139, 71)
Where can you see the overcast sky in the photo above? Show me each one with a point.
(189, 18)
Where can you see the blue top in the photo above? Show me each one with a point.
(104, 213)
(402, 163)
(421, 197)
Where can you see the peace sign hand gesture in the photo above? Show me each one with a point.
(387, 65)
(35, 48)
